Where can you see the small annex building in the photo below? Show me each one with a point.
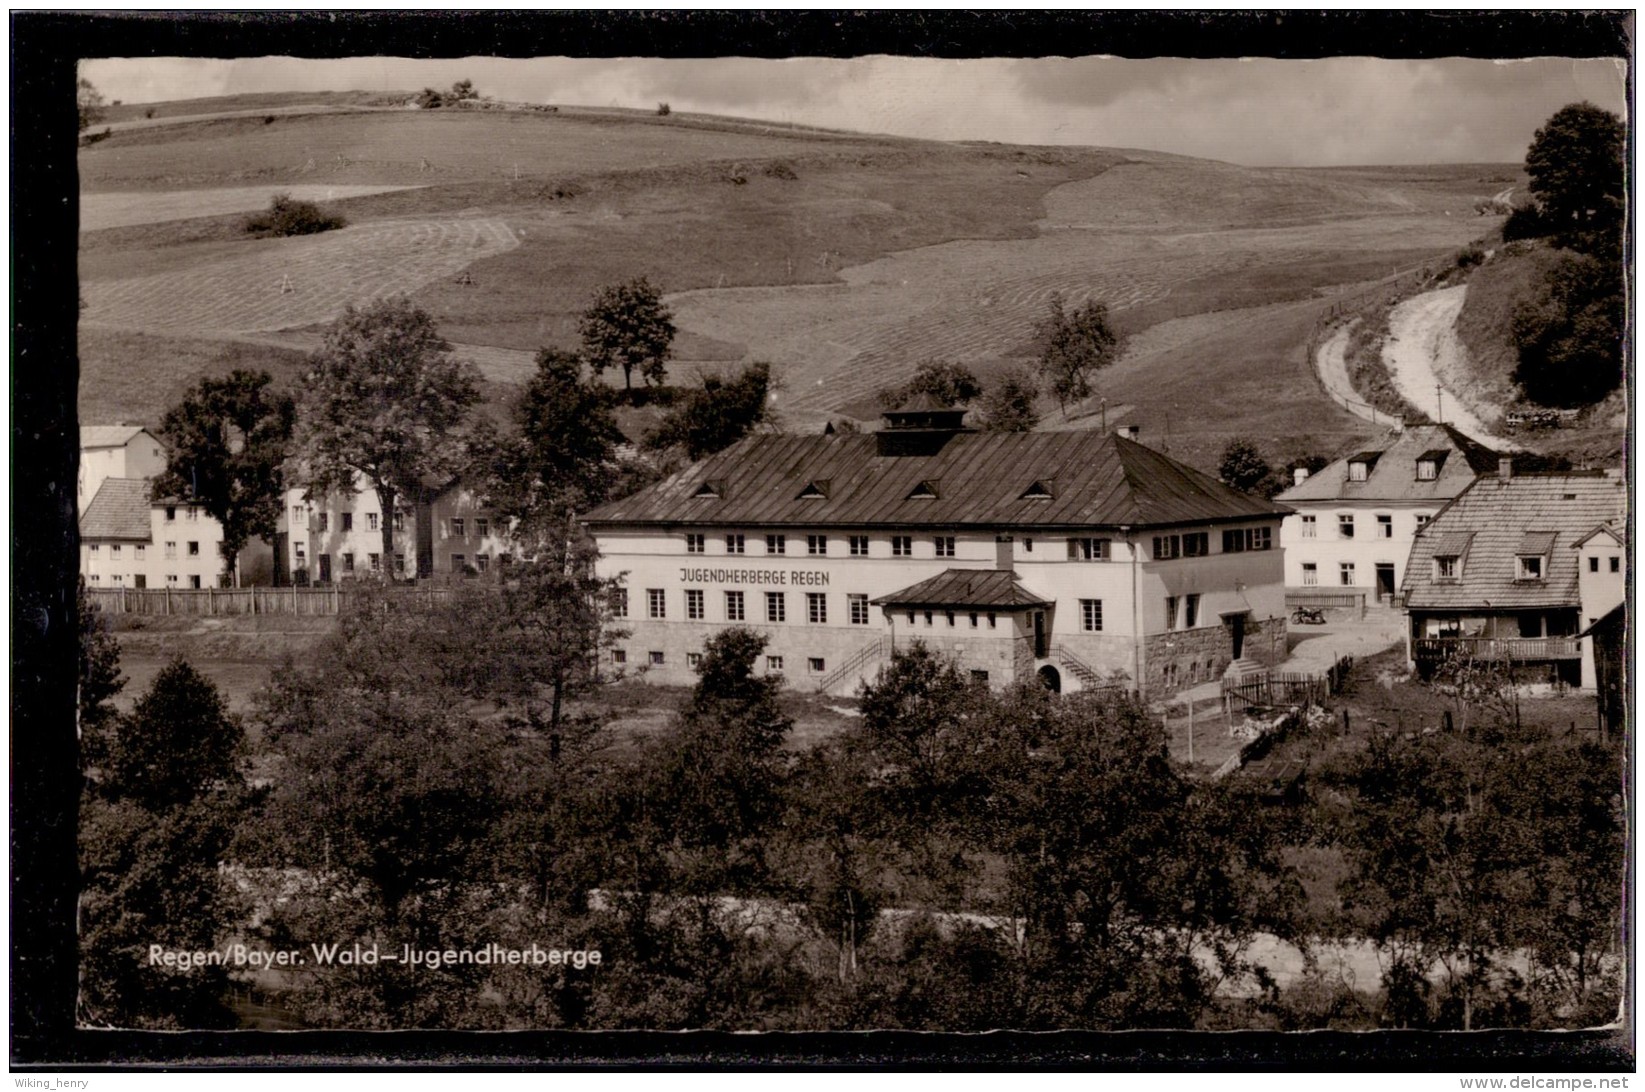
(1083, 558)
(1355, 520)
(116, 451)
(1495, 575)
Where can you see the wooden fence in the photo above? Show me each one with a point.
(1287, 688)
(220, 601)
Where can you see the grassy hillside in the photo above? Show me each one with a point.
(1486, 322)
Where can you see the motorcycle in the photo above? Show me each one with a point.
(1308, 616)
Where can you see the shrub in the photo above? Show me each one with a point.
(268, 119)
(286, 216)
(781, 169)
(93, 138)
(1524, 222)
(430, 99)
(149, 113)
(663, 110)
(1470, 256)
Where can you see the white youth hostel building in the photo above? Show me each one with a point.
(1082, 558)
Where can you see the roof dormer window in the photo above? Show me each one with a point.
(1357, 472)
(1361, 465)
(713, 487)
(1429, 464)
(815, 490)
(926, 490)
(1040, 490)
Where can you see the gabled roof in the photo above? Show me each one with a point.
(1102, 480)
(120, 510)
(985, 589)
(1610, 530)
(1529, 513)
(1616, 618)
(1392, 472)
(108, 435)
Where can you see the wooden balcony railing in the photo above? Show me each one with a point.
(1513, 649)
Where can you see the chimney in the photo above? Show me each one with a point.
(1003, 547)
(1129, 432)
(1504, 467)
(1299, 475)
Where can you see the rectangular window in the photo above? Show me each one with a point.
(171, 515)
(1427, 470)
(1530, 567)
(325, 521)
(694, 604)
(910, 617)
(1090, 615)
(459, 527)
(993, 619)
(656, 606)
(776, 610)
(1310, 527)
(1247, 538)
(1196, 544)
(734, 606)
(481, 561)
(348, 521)
(693, 659)
(1167, 547)
(118, 579)
(399, 563)
(776, 544)
(928, 617)
(1345, 525)
(1445, 567)
(979, 676)
(194, 582)
(1357, 471)
(973, 619)
(348, 563)
(816, 608)
(619, 656)
(371, 521)
(194, 549)
(773, 663)
(657, 659)
(1422, 520)
(1593, 563)
(1310, 574)
(1385, 526)
(114, 549)
(399, 520)
(1345, 571)
(816, 665)
(139, 550)
(816, 545)
(734, 544)
(1088, 549)
(859, 545)
(944, 545)
(1616, 564)
(482, 527)
(457, 562)
(694, 544)
(902, 546)
(95, 548)
(193, 513)
(1170, 612)
(298, 549)
(171, 549)
(858, 605)
(374, 562)
(1190, 606)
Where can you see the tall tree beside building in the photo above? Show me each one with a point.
(385, 401)
(1244, 467)
(627, 325)
(1008, 403)
(227, 443)
(949, 383)
(1073, 346)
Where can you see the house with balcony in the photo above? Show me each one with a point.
(1354, 521)
(1494, 575)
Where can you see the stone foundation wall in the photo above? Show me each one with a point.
(1187, 657)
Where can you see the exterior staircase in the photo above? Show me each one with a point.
(1243, 670)
(1084, 672)
(853, 666)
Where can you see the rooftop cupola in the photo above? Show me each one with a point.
(920, 426)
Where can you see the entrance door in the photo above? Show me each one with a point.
(1385, 580)
(1039, 635)
(325, 568)
(1051, 679)
(1236, 632)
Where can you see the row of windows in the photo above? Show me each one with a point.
(1345, 525)
(975, 617)
(346, 520)
(141, 581)
(1166, 547)
(817, 545)
(1616, 564)
(1345, 574)
(193, 513)
(141, 551)
(736, 606)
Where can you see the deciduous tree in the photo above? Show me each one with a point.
(88, 102)
(179, 743)
(1244, 467)
(949, 383)
(717, 415)
(1074, 346)
(385, 402)
(100, 680)
(1576, 168)
(227, 443)
(627, 325)
(1008, 403)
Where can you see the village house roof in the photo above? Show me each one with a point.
(120, 510)
(1043, 480)
(1391, 471)
(1609, 529)
(986, 589)
(107, 435)
(1493, 523)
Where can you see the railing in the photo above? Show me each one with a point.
(1498, 648)
(1272, 690)
(1322, 599)
(1082, 670)
(873, 650)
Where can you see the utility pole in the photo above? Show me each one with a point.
(1439, 401)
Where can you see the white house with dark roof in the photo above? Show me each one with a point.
(1602, 582)
(1081, 557)
(116, 451)
(128, 540)
(1354, 521)
(1497, 573)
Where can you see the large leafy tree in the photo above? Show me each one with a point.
(100, 680)
(717, 415)
(227, 442)
(1576, 168)
(1008, 403)
(950, 383)
(1244, 467)
(1570, 332)
(179, 743)
(383, 401)
(88, 102)
(1073, 346)
(627, 325)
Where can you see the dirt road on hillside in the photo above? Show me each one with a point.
(1422, 342)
